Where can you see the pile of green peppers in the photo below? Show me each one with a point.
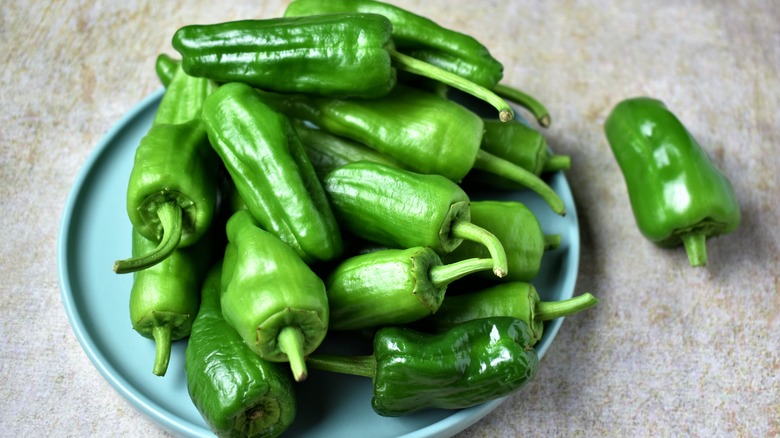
(305, 175)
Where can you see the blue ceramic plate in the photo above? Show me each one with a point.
(95, 232)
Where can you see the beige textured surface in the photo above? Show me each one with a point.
(670, 350)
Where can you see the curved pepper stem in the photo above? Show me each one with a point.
(443, 275)
(555, 163)
(501, 167)
(468, 231)
(291, 341)
(526, 101)
(696, 246)
(412, 65)
(171, 220)
(547, 310)
(162, 348)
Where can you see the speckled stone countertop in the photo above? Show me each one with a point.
(669, 351)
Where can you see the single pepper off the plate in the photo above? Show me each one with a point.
(677, 194)
(236, 392)
(469, 364)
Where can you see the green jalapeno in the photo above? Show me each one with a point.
(271, 297)
(423, 132)
(164, 298)
(677, 194)
(236, 392)
(345, 55)
(392, 286)
(271, 172)
(404, 209)
(469, 364)
(519, 232)
(171, 192)
(517, 299)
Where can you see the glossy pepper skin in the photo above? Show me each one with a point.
(392, 286)
(467, 365)
(236, 392)
(517, 299)
(171, 192)
(164, 298)
(404, 209)
(519, 232)
(419, 37)
(677, 194)
(422, 131)
(271, 171)
(271, 297)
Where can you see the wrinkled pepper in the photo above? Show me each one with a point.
(164, 298)
(271, 297)
(517, 299)
(420, 130)
(518, 230)
(677, 194)
(404, 209)
(171, 192)
(469, 364)
(236, 392)
(448, 49)
(271, 172)
(343, 55)
(392, 286)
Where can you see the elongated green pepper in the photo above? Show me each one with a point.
(422, 131)
(519, 232)
(404, 209)
(164, 298)
(236, 392)
(344, 55)
(392, 286)
(172, 189)
(271, 172)
(467, 365)
(517, 299)
(456, 52)
(271, 297)
(677, 194)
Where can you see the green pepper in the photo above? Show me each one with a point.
(404, 209)
(518, 230)
(171, 192)
(392, 286)
(344, 55)
(166, 68)
(236, 392)
(271, 172)
(271, 297)
(420, 130)
(164, 298)
(467, 365)
(677, 194)
(517, 299)
(455, 52)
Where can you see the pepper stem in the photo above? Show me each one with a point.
(442, 275)
(526, 101)
(696, 246)
(355, 365)
(555, 163)
(468, 231)
(171, 220)
(501, 167)
(412, 65)
(291, 341)
(162, 348)
(547, 310)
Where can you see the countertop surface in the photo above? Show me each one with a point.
(670, 350)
